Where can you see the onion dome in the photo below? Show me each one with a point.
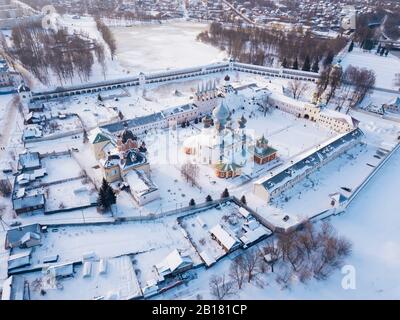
(242, 122)
(207, 121)
(128, 134)
(23, 88)
(262, 142)
(221, 113)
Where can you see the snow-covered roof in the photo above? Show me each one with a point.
(136, 122)
(14, 236)
(173, 262)
(139, 182)
(23, 88)
(306, 160)
(254, 231)
(207, 258)
(29, 201)
(224, 237)
(97, 135)
(30, 236)
(20, 259)
(13, 288)
(29, 160)
(338, 116)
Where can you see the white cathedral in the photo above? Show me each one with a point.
(220, 145)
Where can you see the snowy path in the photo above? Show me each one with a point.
(7, 125)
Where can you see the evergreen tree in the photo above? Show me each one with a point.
(284, 63)
(243, 199)
(102, 197)
(307, 64)
(315, 66)
(110, 195)
(351, 47)
(106, 196)
(99, 97)
(192, 202)
(368, 45)
(225, 194)
(209, 198)
(85, 136)
(295, 64)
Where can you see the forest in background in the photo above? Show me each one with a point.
(297, 49)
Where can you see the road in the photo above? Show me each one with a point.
(7, 125)
(244, 17)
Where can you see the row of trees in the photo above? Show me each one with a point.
(312, 252)
(355, 83)
(46, 51)
(107, 35)
(256, 45)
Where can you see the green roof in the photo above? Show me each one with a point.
(100, 138)
(225, 167)
(263, 152)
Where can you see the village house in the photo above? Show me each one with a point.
(23, 198)
(23, 237)
(224, 239)
(6, 78)
(29, 161)
(173, 264)
(392, 106)
(141, 187)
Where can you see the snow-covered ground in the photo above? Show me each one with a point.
(312, 195)
(150, 47)
(371, 223)
(385, 68)
(71, 243)
(163, 46)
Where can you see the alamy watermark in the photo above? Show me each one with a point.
(349, 278)
(349, 20)
(49, 20)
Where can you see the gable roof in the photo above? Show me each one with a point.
(173, 262)
(224, 237)
(14, 236)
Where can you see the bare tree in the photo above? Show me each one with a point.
(251, 264)
(323, 82)
(360, 81)
(190, 171)
(5, 188)
(297, 88)
(220, 288)
(107, 35)
(237, 272)
(335, 78)
(272, 254)
(284, 275)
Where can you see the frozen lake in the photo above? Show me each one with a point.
(162, 46)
